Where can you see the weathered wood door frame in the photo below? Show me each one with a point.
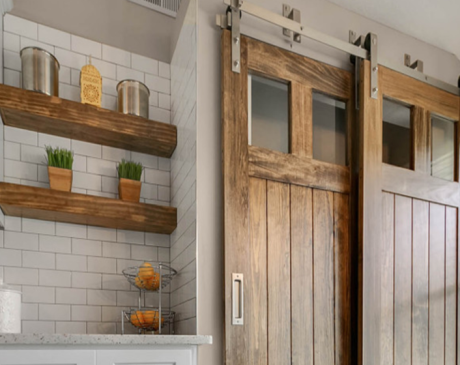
(242, 162)
(380, 342)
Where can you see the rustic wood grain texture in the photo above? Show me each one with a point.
(451, 286)
(279, 273)
(52, 115)
(256, 318)
(403, 280)
(420, 260)
(387, 281)
(53, 205)
(411, 91)
(293, 319)
(323, 263)
(302, 275)
(419, 185)
(301, 116)
(421, 140)
(342, 279)
(355, 252)
(277, 166)
(437, 281)
(236, 190)
(370, 217)
(285, 65)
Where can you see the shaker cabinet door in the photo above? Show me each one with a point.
(47, 357)
(164, 356)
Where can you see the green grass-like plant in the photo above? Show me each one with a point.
(130, 170)
(59, 157)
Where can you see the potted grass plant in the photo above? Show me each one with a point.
(129, 185)
(60, 163)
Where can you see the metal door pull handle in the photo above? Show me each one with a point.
(237, 300)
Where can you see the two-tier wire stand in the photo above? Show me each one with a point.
(147, 319)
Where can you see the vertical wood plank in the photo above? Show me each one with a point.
(323, 262)
(279, 273)
(420, 229)
(355, 259)
(436, 295)
(451, 286)
(301, 115)
(302, 275)
(370, 217)
(387, 261)
(342, 277)
(421, 139)
(256, 280)
(235, 181)
(403, 280)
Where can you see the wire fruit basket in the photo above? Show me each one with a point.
(147, 320)
(150, 276)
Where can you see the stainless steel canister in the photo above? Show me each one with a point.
(40, 71)
(133, 98)
(10, 309)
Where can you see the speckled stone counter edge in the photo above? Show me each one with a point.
(85, 340)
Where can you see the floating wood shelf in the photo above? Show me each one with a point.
(52, 205)
(52, 115)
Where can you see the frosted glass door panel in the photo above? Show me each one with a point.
(269, 114)
(396, 134)
(442, 147)
(329, 130)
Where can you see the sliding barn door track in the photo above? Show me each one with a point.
(363, 47)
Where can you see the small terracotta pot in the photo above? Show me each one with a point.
(60, 179)
(129, 190)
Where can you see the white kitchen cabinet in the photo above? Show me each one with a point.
(60, 349)
(176, 356)
(130, 356)
(47, 357)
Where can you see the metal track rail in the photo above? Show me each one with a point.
(308, 32)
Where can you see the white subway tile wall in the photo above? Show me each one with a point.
(183, 174)
(74, 279)
(70, 275)
(73, 53)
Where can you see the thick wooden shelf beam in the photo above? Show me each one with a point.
(52, 205)
(52, 115)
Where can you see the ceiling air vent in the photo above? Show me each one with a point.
(168, 7)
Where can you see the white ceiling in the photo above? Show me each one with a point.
(431, 21)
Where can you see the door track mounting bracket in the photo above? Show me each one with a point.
(231, 20)
(293, 14)
(417, 65)
(370, 43)
(356, 61)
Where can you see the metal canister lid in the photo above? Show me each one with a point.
(42, 50)
(128, 81)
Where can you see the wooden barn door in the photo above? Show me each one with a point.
(409, 199)
(285, 129)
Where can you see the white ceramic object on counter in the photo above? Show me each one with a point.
(10, 309)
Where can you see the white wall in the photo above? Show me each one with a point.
(321, 15)
(176, 31)
(70, 275)
(183, 174)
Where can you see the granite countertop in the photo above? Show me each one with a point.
(103, 340)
